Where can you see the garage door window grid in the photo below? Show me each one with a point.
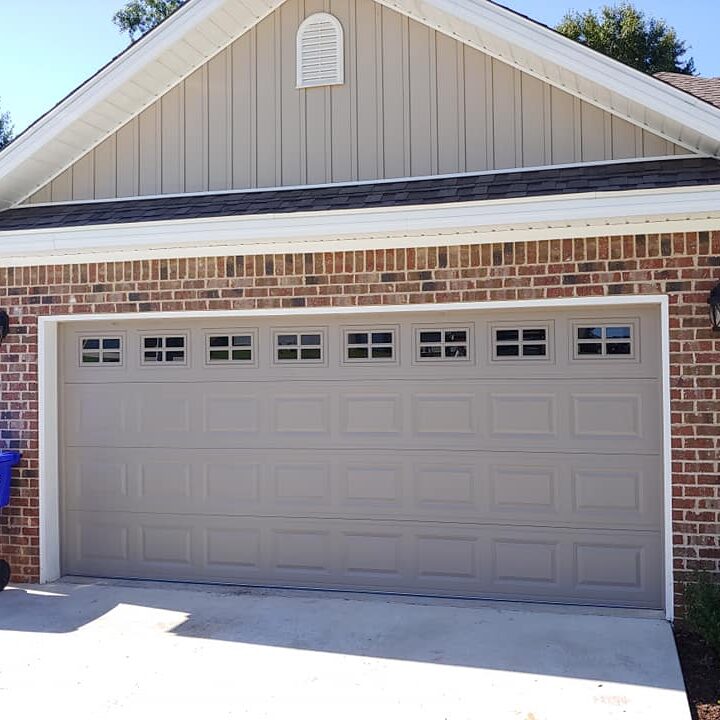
(99, 351)
(533, 342)
(370, 345)
(612, 340)
(298, 347)
(442, 344)
(236, 348)
(159, 349)
(520, 343)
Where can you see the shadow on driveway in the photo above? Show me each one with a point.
(625, 650)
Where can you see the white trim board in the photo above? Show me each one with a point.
(535, 218)
(164, 57)
(201, 29)
(667, 456)
(572, 67)
(48, 362)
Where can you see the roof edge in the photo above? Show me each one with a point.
(100, 86)
(545, 49)
(590, 214)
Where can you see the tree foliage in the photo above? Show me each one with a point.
(138, 16)
(6, 129)
(625, 33)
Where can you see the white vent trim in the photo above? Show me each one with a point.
(320, 51)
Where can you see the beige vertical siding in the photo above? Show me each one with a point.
(128, 156)
(415, 102)
(150, 167)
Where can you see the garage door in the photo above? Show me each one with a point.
(506, 455)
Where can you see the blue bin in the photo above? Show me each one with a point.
(8, 460)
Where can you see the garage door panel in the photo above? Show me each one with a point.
(569, 416)
(562, 360)
(230, 549)
(225, 481)
(471, 561)
(164, 412)
(517, 488)
(371, 414)
(230, 412)
(92, 413)
(105, 540)
(98, 478)
(166, 545)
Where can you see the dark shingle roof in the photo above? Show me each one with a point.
(680, 172)
(705, 88)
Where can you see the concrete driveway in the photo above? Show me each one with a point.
(106, 650)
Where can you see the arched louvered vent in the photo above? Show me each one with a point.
(320, 51)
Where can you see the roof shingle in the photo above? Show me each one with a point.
(705, 88)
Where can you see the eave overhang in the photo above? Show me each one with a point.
(593, 214)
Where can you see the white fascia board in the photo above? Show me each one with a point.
(117, 77)
(634, 85)
(102, 85)
(588, 214)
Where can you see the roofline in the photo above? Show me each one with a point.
(594, 214)
(361, 183)
(683, 90)
(133, 43)
(549, 45)
(125, 62)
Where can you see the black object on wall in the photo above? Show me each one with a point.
(714, 303)
(4, 324)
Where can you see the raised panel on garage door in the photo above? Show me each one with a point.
(401, 452)
(550, 415)
(574, 489)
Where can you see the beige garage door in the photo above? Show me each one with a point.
(503, 455)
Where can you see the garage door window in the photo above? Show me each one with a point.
(299, 347)
(520, 343)
(597, 341)
(441, 344)
(164, 350)
(101, 351)
(234, 349)
(369, 345)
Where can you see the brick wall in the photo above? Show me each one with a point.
(685, 266)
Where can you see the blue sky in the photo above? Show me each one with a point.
(46, 51)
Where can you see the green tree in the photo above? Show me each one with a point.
(6, 129)
(625, 33)
(139, 16)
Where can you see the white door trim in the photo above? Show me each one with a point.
(48, 396)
